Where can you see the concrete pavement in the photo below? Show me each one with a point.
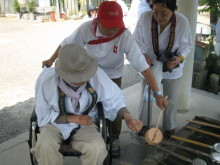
(134, 148)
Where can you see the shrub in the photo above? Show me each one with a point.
(31, 5)
(17, 6)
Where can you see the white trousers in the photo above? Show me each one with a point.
(88, 140)
(170, 89)
(144, 112)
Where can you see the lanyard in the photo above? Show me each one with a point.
(154, 32)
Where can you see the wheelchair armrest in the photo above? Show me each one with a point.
(101, 114)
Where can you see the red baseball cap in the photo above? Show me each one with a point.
(110, 14)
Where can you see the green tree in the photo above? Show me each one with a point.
(16, 6)
(31, 5)
(211, 6)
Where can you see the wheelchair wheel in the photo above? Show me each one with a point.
(106, 134)
(31, 142)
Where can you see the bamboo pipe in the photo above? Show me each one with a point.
(186, 148)
(202, 131)
(205, 124)
(191, 141)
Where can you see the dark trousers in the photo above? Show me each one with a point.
(116, 124)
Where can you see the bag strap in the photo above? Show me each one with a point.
(62, 107)
(62, 95)
(93, 93)
(155, 38)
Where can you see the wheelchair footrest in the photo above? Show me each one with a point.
(67, 150)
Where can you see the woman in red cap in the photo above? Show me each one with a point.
(107, 40)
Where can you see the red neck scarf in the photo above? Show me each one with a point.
(101, 39)
(154, 32)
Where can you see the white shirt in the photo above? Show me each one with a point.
(217, 30)
(46, 98)
(133, 11)
(112, 63)
(123, 6)
(183, 39)
(142, 7)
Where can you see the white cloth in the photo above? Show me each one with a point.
(217, 38)
(217, 31)
(182, 42)
(111, 63)
(74, 95)
(217, 48)
(143, 7)
(87, 18)
(133, 12)
(123, 6)
(46, 98)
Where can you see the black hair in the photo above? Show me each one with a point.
(91, 8)
(170, 4)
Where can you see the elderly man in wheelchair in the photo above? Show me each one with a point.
(66, 98)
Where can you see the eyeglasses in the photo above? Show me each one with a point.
(160, 13)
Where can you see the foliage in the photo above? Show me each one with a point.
(61, 1)
(212, 64)
(211, 43)
(16, 6)
(211, 6)
(31, 5)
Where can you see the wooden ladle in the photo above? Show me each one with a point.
(154, 135)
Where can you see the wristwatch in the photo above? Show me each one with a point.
(157, 93)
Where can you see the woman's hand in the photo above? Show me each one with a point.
(161, 102)
(174, 63)
(83, 120)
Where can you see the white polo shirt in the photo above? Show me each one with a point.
(112, 63)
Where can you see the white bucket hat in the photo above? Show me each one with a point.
(74, 65)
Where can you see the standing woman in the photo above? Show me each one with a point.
(163, 28)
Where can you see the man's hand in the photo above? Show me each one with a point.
(83, 120)
(133, 124)
(47, 63)
(161, 102)
(174, 63)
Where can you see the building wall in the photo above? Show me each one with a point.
(6, 7)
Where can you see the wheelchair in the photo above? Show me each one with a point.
(104, 126)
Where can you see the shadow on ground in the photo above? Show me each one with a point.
(15, 120)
